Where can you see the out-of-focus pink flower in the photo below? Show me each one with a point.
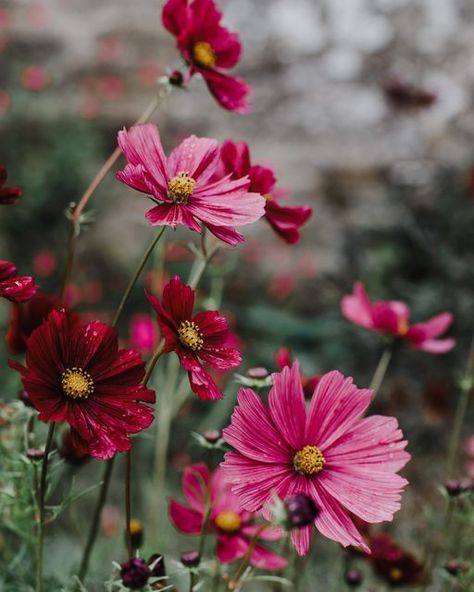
(284, 359)
(13, 287)
(233, 527)
(329, 452)
(44, 263)
(8, 195)
(392, 317)
(143, 333)
(110, 87)
(405, 95)
(4, 17)
(37, 14)
(109, 49)
(149, 72)
(196, 338)
(92, 292)
(282, 286)
(35, 78)
(208, 48)
(286, 221)
(25, 318)
(183, 185)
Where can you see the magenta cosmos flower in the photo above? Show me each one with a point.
(343, 462)
(76, 373)
(233, 526)
(181, 185)
(286, 221)
(14, 288)
(8, 195)
(196, 338)
(208, 48)
(392, 318)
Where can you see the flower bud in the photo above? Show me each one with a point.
(455, 487)
(176, 78)
(257, 372)
(353, 578)
(156, 563)
(190, 559)
(455, 568)
(136, 533)
(300, 510)
(212, 436)
(35, 453)
(135, 573)
(25, 399)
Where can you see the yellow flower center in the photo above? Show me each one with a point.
(190, 336)
(267, 197)
(309, 461)
(395, 574)
(77, 383)
(228, 521)
(402, 327)
(204, 55)
(136, 527)
(180, 188)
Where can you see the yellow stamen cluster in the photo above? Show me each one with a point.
(77, 383)
(180, 188)
(395, 574)
(190, 335)
(136, 527)
(267, 196)
(204, 55)
(309, 461)
(403, 327)
(228, 521)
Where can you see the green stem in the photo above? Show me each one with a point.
(247, 557)
(71, 250)
(128, 504)
(41, 500)
(154, 359)
(381, 370)
(136, 275)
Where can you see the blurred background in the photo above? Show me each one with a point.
(365, 110)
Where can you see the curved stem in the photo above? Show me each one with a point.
(154, 359)
(247, 557)
(381, 370)
(41, 500)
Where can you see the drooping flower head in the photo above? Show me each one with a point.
(394, 564)
(8, 195)
(392, 317)
(196, 338)
(233, 527)
(25, 318)
(343, 462)
(208, 48)
(76, 373)
(286, 221)
(183, 186)
(14, 288)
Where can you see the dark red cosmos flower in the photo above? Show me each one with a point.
(25, 318)
(207, 47)
(8, 195)
(14, 288)
(286, 221)
(76, 373)
(395, 565)
(194, 337)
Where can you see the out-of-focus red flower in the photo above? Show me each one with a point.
(4, 17)
(25, 318)
(405, 95)
(13, 287)
(109, 49)
(110, 87)
(92, 292)
(392, 317)
(44, 263)
(143, 333)
(35, 78)
(8, 195)
(283, 359)
(282, 286)
(195, 338)
(395, 565)
(76, 373)
(286, 221)
(110, 521)
(208, 48)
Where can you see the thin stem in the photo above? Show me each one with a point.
(128, 506)
(192, 578)
(247, 557)
(109, 163)
(381, 370)
(95, 522)
(136, 275)
(154, 359)
(41, 500)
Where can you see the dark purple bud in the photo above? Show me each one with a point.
(156, 563)
(454, 567)
(353, 578)
(25, 399)
(300, 510)
(135, 573)
(191, 559)
(453, 487)
(35, 453)
(176, 78)
(257, 372)
(212, 436)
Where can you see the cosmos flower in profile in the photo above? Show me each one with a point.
(8, 195)
(233, 527)
(13, 287)
(392, 317)
(76, 373)
(208, 48)
(328, 452)
(183, 186)
(195, 338)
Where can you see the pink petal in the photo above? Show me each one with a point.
(287, 220)
(185, 519)
(437, 346)
(138, 178)
(265, 559)
(196, 156)
(357, 307)
(230, 548)
(18, 289)
(172, 215)
(301, 538)
(175, 16)
(271, 533)
(195, 482)
(178, 300)
(235, 157)
(229, 91)
(433, 327)
(200, 380)
(262, 180)
(226, 234)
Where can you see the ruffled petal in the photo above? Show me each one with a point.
(174, 16)
(227, 234)
(357, 307)
(170, 214)
(230, 92)
(195, 156)
(185, 519)
(287, 220)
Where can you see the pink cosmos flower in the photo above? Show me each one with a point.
(207, 47)
(143, 333)
(181, 184)
(286, 221)
(392, 317)
(343, 462)
(194, 337)
(14, 288)
(233, 526)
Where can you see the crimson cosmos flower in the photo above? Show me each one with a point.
(207, 47)
(8, 195)
(76, 373)
(194, 337)
(395, 565)
(183, 186)
(14, 288)
(392, 318)
(233, 526)
(343, 462)
(25, 318)
(286, 221)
